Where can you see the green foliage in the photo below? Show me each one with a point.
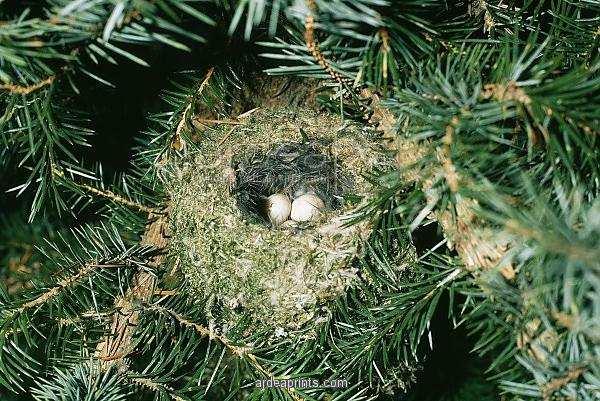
(43, 60)
(555, 299)
(493, 108)
(354, 36)
(81, 383)
(38, 324)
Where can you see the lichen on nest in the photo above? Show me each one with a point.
(237, 264)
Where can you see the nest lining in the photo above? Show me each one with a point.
(291, 168)
(237, 264)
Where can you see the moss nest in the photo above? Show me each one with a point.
(233, 259)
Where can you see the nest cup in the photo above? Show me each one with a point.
(293, 169)
(236, 263)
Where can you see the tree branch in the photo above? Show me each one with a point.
(156, 387)
(118, 343)
(313, 46)
(61, 285)
(118, 199)
(242, 352)
(25, 90)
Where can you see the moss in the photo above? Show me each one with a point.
(284, 276)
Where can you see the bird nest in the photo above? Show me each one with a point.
(233, 257)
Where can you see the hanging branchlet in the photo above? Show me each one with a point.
(313, 45)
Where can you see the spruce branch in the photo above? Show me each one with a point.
(89, 265)
(72, 34)
(155, 387)
(242, 352)
(118, 199)
(494, 129)
(118, 342)
(84, 381)
(313, 46)
(177, 142)
(62, 285)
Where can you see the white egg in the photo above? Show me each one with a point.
(306, 207)
(278, 208)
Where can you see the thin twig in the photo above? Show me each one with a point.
(247, 113)
(166, 293)
(118, 199)
(226, 136)
(240, 351)
(211, 121)
(385, 44)
(177, 142)
(156, 387)
(313, 46)
(61, 285)
(110, 195)
(26, 90)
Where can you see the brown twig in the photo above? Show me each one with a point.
(166, 293)
(177, 142)
(211, 121)
(556, 384)
(313, 46)
(61, 285)
(238, 118)
(385, 45)
(109, 195)
(156, 387)
(118, 199)
(26, 90)
(226, 136)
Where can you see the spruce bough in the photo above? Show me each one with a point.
(490, 110)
